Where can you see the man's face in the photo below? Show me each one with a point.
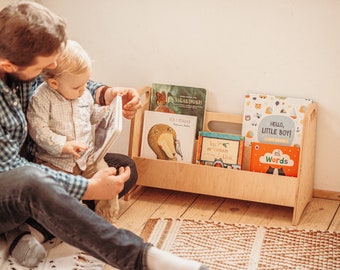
(31, 72)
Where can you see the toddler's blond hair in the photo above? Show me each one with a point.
(73, 60)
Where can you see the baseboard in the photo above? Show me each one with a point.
(326, 194)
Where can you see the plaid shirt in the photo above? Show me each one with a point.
(15, 145)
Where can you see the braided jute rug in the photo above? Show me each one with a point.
(224, 246)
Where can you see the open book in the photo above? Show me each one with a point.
(108, 129)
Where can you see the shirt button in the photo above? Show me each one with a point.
(15, 103)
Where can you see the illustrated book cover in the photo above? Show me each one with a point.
(273, 119)
(179, 100)
(109, 128)
(220, 150)
(168, 136)
(274, 159)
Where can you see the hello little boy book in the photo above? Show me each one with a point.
(273, 119)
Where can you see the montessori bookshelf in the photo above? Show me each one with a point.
(294, 192)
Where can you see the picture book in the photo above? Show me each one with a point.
(274, 159)
(220, 150)
(168, 136)
(179, 100)
(109, 128)
(273, 119)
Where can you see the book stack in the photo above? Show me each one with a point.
(273, 127)
(175, 120)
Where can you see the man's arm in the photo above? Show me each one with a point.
(104, 95)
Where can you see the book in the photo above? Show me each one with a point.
(168, 136)
(220, 150)
(108, 128)
(273, 119)
(274, 159)
(179, 100)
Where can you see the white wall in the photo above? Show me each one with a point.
(229, 47)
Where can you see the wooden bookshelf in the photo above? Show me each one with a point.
(295, 192)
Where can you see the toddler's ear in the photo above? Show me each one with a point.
(7, 66)
(53, 83)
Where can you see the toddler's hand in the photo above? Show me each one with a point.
(74, 148)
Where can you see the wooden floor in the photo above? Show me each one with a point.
(145, 203)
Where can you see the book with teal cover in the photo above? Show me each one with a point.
(220, 150)
(179, 100)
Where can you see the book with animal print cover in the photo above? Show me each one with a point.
(168, 136)
(273, 119)
(179, 99)
(274, 159)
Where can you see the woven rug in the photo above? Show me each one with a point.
(60, 256)
(223, 246)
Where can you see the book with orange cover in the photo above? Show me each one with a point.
(274, 159)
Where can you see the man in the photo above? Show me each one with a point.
(31, 38)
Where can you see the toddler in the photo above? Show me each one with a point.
(60, 118)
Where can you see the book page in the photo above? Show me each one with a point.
(108, 129)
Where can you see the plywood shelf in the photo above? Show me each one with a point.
(293, 192)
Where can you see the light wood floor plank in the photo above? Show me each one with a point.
(231, 211)
(335, 225)
(203, 208)
(175, 205)
(267, 215)
(135, 217)
(318, 214)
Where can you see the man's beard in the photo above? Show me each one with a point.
(16, 77)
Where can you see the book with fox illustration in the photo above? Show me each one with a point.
(179, 99)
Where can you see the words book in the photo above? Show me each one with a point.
(179, 100)
(273, 119)
(220, 150)
(109, 128)
(274, 159)
(168, 136)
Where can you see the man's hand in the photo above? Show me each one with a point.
(130, 97)
(107, 183)
(74, 148)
